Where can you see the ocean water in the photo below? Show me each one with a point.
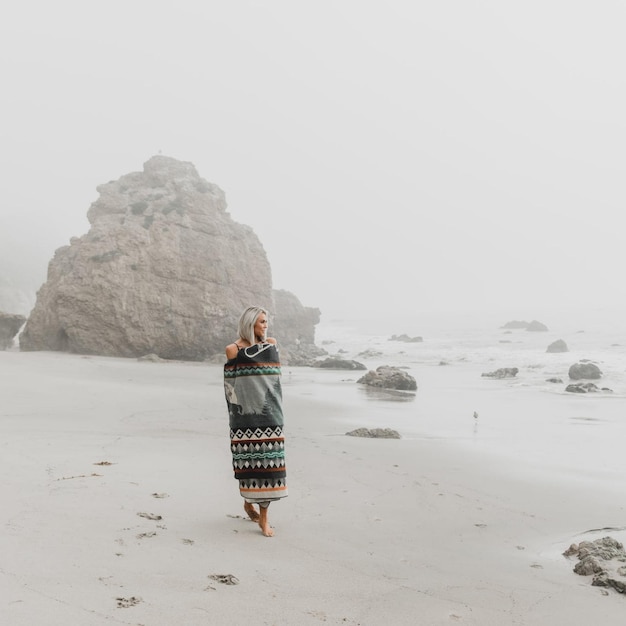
(526, 421)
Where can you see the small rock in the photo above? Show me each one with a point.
(375, 433)
(503, 372)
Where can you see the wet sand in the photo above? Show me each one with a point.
(119, 507)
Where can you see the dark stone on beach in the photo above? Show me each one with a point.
(582, 388)
(375, 433)
(503, 372)
(554, 380)
(584, 370)
(404, 337)
(603, 559)
(10, 325)
(335, 363)
(388, 377)
(586, 388)
(557, 346)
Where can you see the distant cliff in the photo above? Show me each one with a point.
(164, 269)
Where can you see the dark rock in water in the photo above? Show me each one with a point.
(387, 377)
(557, 346)
(581, 388)
(515, 325)
(586, 388)
(554, 380)
(164, 269)
(335, 363)
(404, 337)
(603, 559)
(370, 354)
(10, 325)
(376, 433)
(533, 326)
(503, 372)
(582, 370)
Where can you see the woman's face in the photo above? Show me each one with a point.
(260, 327)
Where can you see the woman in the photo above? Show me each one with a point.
(254, 399)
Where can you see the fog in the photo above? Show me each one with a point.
(391, 156)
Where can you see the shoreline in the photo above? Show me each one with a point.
(417, 530)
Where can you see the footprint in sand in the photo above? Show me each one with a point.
(124, 603)
(146, 535)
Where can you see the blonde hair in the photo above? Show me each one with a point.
(247, 321)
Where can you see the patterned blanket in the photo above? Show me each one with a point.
(254, 399)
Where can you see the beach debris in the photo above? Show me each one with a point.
(389, 377)
(151, 516)
(188, 542)
(503, 372)
(104, 463)
(124, 603)
(584, 369)
(603, 559)
(79, 476)
(160, 495)
(337, 363)
(557, 346)
(375, 433)
(225, 579)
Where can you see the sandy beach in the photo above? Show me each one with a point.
(119, 507)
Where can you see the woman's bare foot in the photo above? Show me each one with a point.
(251, 511)
(266, 529)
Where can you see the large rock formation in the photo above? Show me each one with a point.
(388, 377)
(10, 325)
(294, 327)
(163, 270)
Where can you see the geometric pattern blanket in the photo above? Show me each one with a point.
(254, 399)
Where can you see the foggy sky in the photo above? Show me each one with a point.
(390, 155)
